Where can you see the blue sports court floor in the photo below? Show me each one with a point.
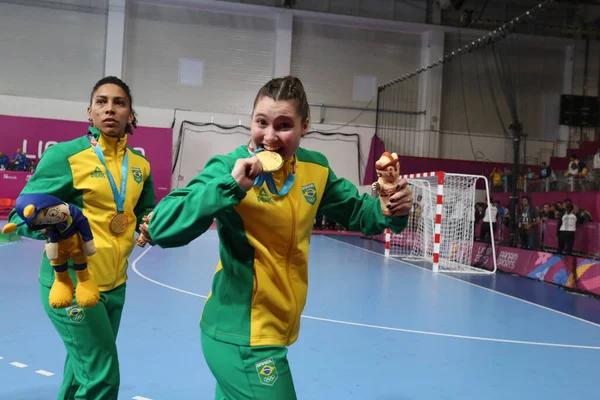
(373, 328)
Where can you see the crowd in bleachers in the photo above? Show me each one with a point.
(532, 224)
(577, 176)
(18, 162)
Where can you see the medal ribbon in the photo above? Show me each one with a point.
(118, 196)
(268, 176)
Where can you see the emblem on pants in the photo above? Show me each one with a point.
(267, 372)
(75, 313)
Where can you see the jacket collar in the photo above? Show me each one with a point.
(110, 145)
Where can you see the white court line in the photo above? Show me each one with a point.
(21, 365)
(23, 239)
(467, 283)
(134, 267)
(140, 398)
(573, 346)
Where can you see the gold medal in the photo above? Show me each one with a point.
(271, 161)
(119, 223)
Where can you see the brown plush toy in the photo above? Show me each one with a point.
(388, 171)
(142, 239)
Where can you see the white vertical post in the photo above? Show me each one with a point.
(284, 22)
(115, 38)
(388, 238)
(437, 231)
(430, 95)
(567, 88)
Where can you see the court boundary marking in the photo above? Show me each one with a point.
(387, 328)
(467, 283)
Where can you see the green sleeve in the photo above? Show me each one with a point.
(146, 202)
(359, 213)
(186, 213)
(52, 176)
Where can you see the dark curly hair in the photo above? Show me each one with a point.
(116, 81)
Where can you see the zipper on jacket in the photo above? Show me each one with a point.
(118, 263)
(289, 264)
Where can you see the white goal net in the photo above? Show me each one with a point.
(441, 225)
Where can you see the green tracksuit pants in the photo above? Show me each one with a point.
(91, 370)
(249, 373)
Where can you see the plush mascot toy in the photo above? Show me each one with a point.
(69, 237)
(142, 239)
(388, 171)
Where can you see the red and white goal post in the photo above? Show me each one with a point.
(441, 225)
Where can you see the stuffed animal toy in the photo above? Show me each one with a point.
(69, 237)
(142, 239)
(388, 171)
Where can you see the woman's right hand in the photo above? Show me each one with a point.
(144, 236)
(245, 171)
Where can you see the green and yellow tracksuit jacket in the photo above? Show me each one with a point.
(73, 172)
(260, 285)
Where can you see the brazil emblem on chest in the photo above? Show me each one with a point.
(137, 174)
(310, 193)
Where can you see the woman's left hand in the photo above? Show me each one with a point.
(401, 202)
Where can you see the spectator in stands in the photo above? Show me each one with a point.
(528, 222)
(530, 175)
(490, 214)
(582, 169)
(582, 215)
(501, 220)
(545, 213)
(596, 164)
(415, 214)
(578, 169)
(558, 210)
(319, 221)
(548, 177)
(4, 161)
(585, 178)
(567, 226)
(32, 164)
(551, 211)
(506, 179)
(573, 166)
(497, 183)
(501, 209)
(479, 213)
(20, 161)
(331, 225)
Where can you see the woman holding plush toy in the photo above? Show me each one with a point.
(112, 185)
(264, 196)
